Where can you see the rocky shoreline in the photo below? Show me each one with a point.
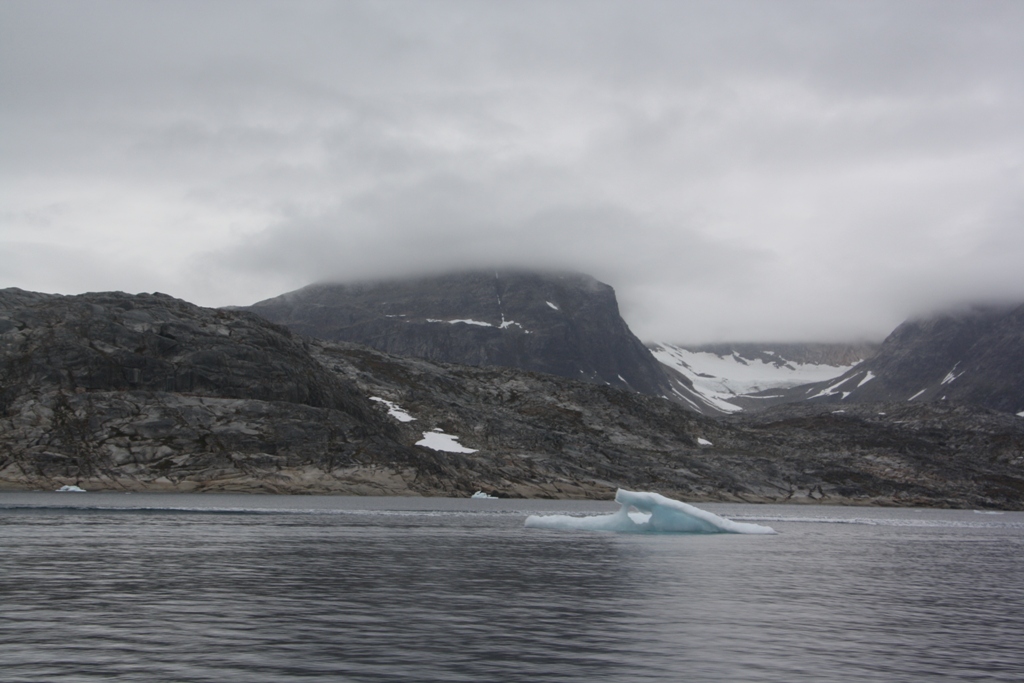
(150, 393)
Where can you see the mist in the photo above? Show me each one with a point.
(738, 171)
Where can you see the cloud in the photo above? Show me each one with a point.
(736, 169)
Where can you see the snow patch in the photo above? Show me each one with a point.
(713, 401)
(439, 441)
(831, 390)
(552, 306)
(701, 441)
(1020, 414)
(464, 321)
(394, 410)
(868, 376)
(654, 513)
(470, 321)
(952, 375)
(917, 394)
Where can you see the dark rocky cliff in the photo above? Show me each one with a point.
(557, 323)
(119, 392)
(973, 356)
(148, 391)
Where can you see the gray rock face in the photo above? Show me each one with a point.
(973, 356)
(125, 389)
(227, 401)
(157, 343)
(544, 435)
(561, 324)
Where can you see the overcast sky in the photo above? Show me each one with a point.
(736, 170)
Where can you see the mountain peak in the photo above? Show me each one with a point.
(559, 323)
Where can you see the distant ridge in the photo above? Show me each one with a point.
(973, 355)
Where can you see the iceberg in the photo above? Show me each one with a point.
(70, 488)
(481, 494)
(654, 513)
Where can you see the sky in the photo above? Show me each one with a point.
(738, 170)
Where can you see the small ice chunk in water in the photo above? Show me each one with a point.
(655, 513)
(481, 494)
(69, 488)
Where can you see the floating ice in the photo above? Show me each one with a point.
(656, 513)
(70, 489)
(439, 441)
(481, 494)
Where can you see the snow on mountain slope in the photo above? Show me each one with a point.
(720, 377)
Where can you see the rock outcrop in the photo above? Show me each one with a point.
(973, 356)
(141, 392)
(111, 391)
(562, 324)
(547, 429)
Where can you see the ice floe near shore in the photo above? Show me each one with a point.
(653, 513)
(70, 488)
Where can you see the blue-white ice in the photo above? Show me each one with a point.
(653, 513)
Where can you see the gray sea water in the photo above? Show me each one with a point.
(134, 587)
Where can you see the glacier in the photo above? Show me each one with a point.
(717, 379)
(654, 513)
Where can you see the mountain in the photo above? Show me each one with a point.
(973, 356)
(729, 378)
(563, 324)
(118, 392)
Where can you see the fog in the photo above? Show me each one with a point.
(742, 171)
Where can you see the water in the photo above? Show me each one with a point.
(288, 588)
